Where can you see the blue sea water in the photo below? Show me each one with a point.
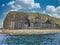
(37, 39)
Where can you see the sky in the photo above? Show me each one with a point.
(50, 7)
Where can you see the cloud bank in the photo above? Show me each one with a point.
(53, 11)
(3, 5)
(23, 4)
(30, 4)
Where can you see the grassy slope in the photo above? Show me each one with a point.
(57, 20)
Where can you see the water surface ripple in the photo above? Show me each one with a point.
(37, 39)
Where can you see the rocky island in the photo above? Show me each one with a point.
(30, 23)
(23, 20)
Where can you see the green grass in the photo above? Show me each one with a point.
(22, 14)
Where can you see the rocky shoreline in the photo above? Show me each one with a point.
(29, 32)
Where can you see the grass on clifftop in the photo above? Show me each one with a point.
(45, 17)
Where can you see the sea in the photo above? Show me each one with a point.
(35, 39)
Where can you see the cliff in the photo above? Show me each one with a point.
(23, 20)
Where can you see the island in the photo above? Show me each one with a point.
(30, 23)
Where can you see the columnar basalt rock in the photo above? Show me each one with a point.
(22, 20)
(14, 20)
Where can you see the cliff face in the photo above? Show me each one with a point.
(12, 19)
(21, 20)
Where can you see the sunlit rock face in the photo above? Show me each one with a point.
(21, 20)
(15, 20)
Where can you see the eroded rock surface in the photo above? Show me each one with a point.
(21, 20)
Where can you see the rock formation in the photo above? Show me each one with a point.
(21, 20)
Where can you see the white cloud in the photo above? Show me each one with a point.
(3, 5)
(37, 5)
(50, 9)
(55, 12)
(1, 23)
(34, 11)
(11, 3)
(44, 12)
(23, 4)
(58, 9)
(59, 1)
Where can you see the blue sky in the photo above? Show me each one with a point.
(50, 7)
